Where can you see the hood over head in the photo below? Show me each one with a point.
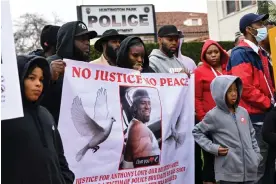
(66, 38)
(25, 63)
(179, 47)
(219, 87)
(224, 57)
(122, 56)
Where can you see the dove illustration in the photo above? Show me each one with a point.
(87, 126)
(176, 136)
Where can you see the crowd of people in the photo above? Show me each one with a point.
(235, 118)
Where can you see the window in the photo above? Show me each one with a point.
(194, 22)
(245, 3)
(230, 6)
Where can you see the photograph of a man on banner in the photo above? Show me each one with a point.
(143, 133)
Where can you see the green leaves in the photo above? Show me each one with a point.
(267, 7)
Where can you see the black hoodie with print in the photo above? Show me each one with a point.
(32, 151)
(65, 49)
(122, 56)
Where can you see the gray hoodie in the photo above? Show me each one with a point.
(188, 62)
(234, 131)
(161, 63)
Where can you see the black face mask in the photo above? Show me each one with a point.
(111, 53)
(167, 51)
(79, 55)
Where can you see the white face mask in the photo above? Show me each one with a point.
(262, 34)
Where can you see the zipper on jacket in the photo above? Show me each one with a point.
(236, 122)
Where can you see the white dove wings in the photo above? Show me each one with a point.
(85, 125)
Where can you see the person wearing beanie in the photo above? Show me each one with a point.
(48, 41)
(249, 62)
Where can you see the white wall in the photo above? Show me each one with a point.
(213, 20)
(223, 27)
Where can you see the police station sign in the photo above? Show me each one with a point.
(126, 19)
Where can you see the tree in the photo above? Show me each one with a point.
(267, 7)
(28, 31)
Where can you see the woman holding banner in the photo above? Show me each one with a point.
(214, 60)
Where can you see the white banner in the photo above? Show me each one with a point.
(11, 104)
(126, 19)
(121, 127)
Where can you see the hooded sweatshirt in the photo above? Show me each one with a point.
(203, 78)
(161, 63)
(188, 62)
(32, 150)
(232, 131)
(122, 56)
(65, 49)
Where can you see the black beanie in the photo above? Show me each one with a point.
(140, 93)
(49, 35)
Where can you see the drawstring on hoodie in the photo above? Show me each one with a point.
(215, 73)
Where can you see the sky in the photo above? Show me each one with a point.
(66, 9)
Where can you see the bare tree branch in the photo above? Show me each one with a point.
(57, 19)
(27, 36)
(28, 31)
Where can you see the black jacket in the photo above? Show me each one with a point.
(122, 57)
(269, 136)
(65, 49)
(32, 151)
(269, 128)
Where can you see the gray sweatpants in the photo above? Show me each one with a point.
(264, 152)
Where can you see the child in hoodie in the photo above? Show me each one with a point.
(214, 60)
(32, 150)
(234, 144)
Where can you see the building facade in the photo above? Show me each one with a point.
(224, 17)
(193, 25)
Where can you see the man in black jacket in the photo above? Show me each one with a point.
(32, 151)
(72, 43)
